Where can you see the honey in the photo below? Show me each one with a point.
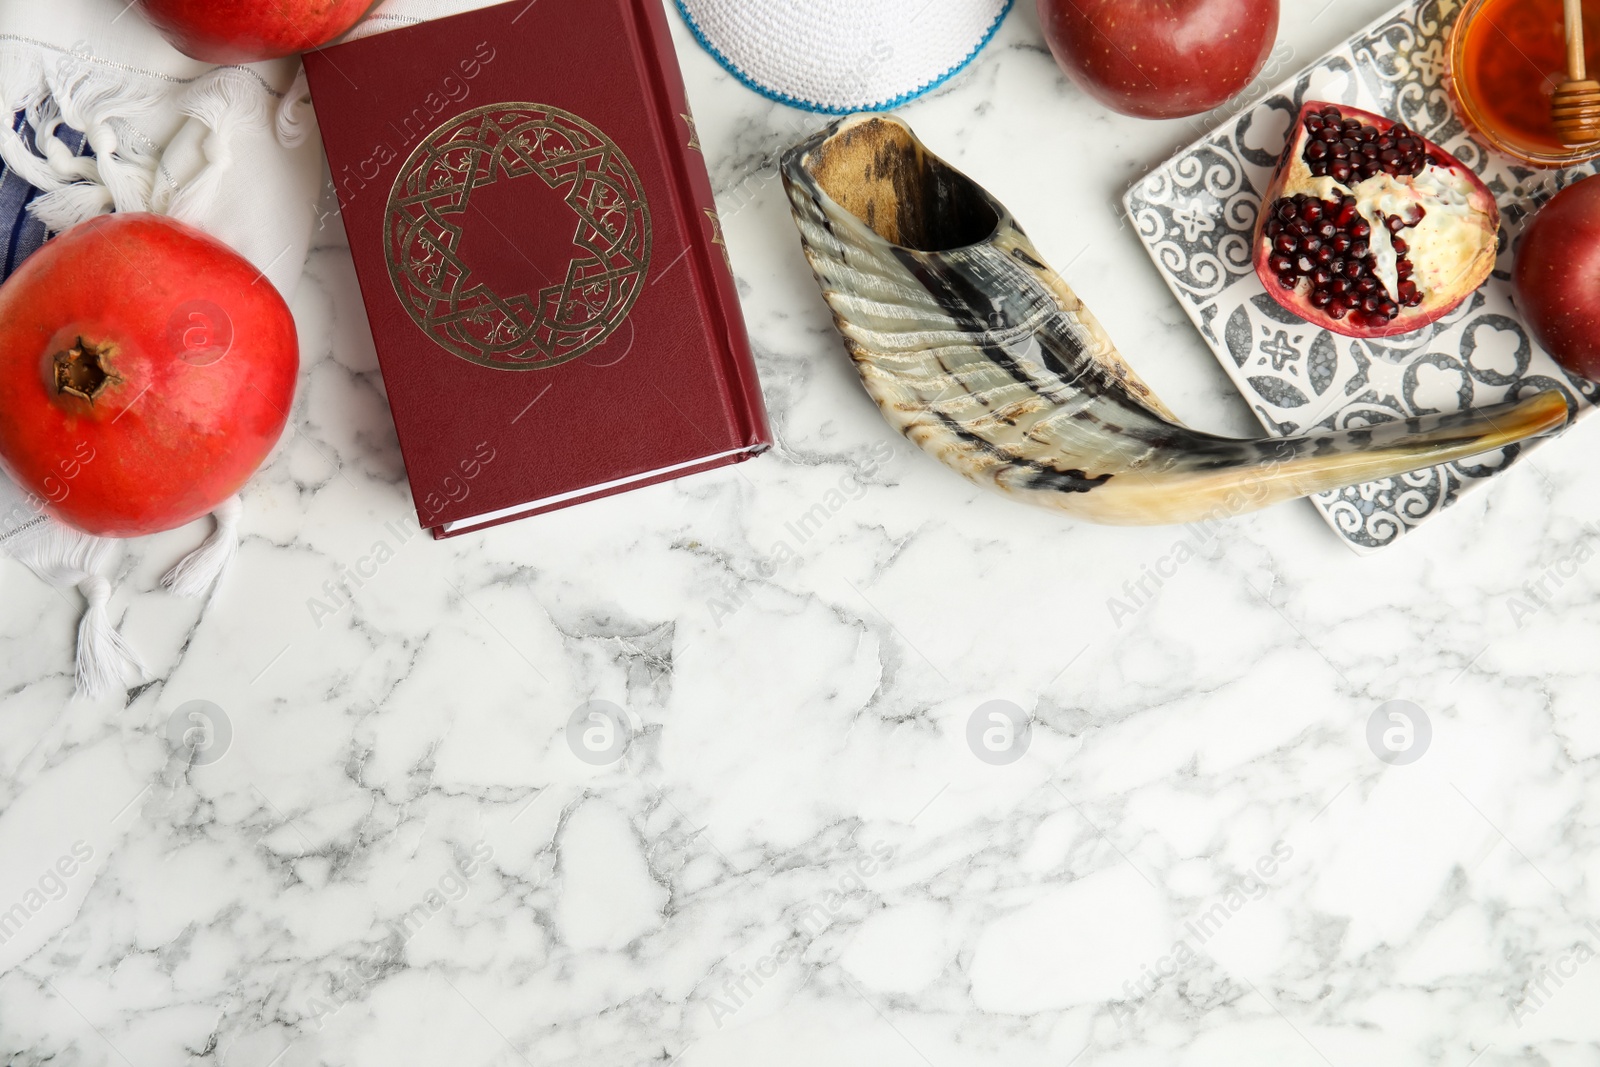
(1507, 59)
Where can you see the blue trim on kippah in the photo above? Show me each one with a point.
(806, 105)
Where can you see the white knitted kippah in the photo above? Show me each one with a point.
(844, 55)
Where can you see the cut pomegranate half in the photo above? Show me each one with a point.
(1369, 229)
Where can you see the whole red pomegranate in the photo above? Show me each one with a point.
(1160, 59)
(246, 31)
(146, 370)
(1558, 278)
(1371, 230)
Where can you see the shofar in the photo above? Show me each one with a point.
(977, 351)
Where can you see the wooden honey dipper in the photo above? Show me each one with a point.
(1576, 104)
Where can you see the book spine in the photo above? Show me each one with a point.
(697, 205)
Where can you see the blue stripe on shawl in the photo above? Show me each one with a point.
(23, 234)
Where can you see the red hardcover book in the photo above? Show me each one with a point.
(540, 256)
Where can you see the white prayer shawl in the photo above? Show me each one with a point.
(167, 134)
(230, 150)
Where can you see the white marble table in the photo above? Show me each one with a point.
(398, 859)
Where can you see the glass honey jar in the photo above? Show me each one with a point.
(1507, 57)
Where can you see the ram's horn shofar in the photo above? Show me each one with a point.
(978, 352)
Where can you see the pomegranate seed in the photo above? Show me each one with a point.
(1400, 247)
(1348, 150)
(1325, 244)
(1404, 268)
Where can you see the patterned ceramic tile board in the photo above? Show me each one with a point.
(1196, 215)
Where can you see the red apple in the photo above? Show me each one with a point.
(1161, 59)
(246, 31)
(1558, 278)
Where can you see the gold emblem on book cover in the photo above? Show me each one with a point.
(429, 212)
